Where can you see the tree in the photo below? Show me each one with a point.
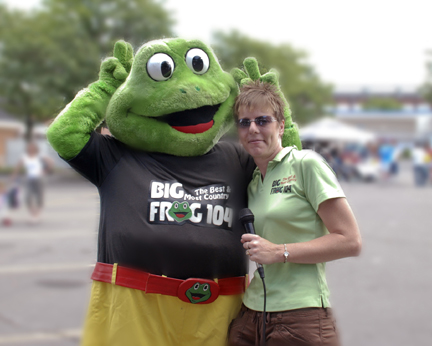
(306, 93)
(48, 55)
(106, 21)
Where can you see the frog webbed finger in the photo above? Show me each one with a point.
(271, 78)
(238, 75)
(120, 73)
(252, 69)
(107, 67)
(245, 81)
(123, 51)
(129, 58)
(276, 72)
(111, 69)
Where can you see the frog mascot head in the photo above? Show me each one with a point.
(176, 99)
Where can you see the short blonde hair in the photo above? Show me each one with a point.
(260, 95)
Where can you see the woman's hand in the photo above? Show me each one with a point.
(261, 250)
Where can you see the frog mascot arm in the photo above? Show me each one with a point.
(291, 133)
(72, 128)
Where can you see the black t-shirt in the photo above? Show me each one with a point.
(169, 215)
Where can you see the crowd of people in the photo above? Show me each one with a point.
(378, 161)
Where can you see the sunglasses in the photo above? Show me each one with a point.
(260, 121)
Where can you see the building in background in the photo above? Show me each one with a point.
(371, 130)
(391, 112)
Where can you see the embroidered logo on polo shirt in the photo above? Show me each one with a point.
(281, 185)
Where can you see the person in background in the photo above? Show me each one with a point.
(5, 219)
(428, 160)
(302, 220)
(386, 154)
(35, 167)
(419, 157)
(394, 165)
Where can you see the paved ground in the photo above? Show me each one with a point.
(381, 298)
(45, 269)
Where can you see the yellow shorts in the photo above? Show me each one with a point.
(120, 316)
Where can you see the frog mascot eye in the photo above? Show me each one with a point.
(197, 60)
(206, 287)
(160, 67)
(196, 286)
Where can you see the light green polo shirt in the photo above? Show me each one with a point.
(285, 206)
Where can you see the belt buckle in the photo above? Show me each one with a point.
(198, 291)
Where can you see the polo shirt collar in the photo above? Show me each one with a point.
(278, 158)
(281, 154)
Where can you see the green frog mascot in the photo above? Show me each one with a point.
(170, 266)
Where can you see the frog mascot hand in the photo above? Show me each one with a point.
(71, 130)
(291, 133)
(171, 267)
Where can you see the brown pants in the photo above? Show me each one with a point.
(302, 327)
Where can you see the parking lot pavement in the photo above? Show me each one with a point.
(45, 269)
(380, 298)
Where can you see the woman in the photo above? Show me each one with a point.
(302, 220)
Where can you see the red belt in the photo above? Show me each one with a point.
(195, 291)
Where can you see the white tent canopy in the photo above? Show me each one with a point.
(329, 129)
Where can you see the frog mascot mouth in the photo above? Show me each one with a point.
(176, 100)
(197, 120)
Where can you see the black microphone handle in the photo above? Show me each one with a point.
(249, 227)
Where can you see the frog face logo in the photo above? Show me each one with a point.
(180, 211)
(198, 293)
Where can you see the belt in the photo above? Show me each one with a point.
(192, 290)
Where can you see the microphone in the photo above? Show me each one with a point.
(247, 218)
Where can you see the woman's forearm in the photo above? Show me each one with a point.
(342, 241)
